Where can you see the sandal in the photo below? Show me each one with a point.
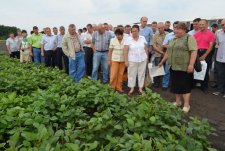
(186, 109)
(177, 104)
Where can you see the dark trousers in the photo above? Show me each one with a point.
(157, 80)
(88, 60)
(15, 54)
(61, 56)
(208, 59)
(50, 58)
(221, 76)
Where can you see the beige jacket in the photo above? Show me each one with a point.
(68, 47)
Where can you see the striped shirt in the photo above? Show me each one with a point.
(101, 41)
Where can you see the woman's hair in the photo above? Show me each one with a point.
(136, 26)
(182, 26)
(119, 31)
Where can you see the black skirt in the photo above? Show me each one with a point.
(181, 82)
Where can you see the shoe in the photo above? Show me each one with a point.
(178, 105)
(217, 93)
(224, 96)
(186, 109)
(164, 89)
(89, 77)
(198, 84)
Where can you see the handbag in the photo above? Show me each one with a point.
(197, 65)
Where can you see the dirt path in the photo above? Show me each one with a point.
(206, 106)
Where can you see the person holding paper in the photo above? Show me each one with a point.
(136, 56)
(181, 55)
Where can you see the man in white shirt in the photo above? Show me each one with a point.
(87, 40)
(48, 48)
(195, 26)
(12, 45)
(220, 60)
(60, 54)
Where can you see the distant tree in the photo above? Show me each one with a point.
(5, 30)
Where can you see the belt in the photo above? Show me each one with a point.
(202, 49)
(102, 51)
(36, 47)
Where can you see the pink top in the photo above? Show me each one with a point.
(204, 39)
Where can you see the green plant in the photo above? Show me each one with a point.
(43, 109)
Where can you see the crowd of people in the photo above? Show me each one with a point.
(123, 53)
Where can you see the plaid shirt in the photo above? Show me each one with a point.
(101, 42)
(76, 43)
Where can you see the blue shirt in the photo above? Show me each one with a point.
(59, 38)
(147, 32)
(49, 42)
(168, 38)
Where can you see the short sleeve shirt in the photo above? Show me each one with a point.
(136, 51)
(220, 40)
(117, 50)
(204, 39)
(13, 44)
(101, 41)
(35, 40)
(179, 52)
(49, 42)
(147, 33)
(158, 41)
(168, 38)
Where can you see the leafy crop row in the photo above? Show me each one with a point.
(43, 109)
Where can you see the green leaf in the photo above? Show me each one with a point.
(72, 147)
(130, 122)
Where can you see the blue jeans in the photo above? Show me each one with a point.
(37, 56)
(77, 67)
(166, 77)
(100, 57)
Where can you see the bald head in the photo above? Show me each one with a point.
(101, 28)
(161, 27)
(144, 21)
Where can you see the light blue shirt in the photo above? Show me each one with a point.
(59, 38)
(168, 38)
(49, 42)
(192, 32)
(147, 33)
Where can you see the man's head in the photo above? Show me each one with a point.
(55, 30)
(106, 26)
(127, 29)
(110, 27)
(84, 30)
(144, 21)
(11, 35)
(89, 28)
(24, 33)
(214, 28)
(154, 26)
(167, 25)
(101, 28)
(196, 23)
(95, 28)
(161, 27)
(35, 29)
(223, 24)
(19, 33)
(62, 30)
(72, 29)
(175, 26)
(48, 31)
(203, 25)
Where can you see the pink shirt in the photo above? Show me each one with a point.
(204, 39)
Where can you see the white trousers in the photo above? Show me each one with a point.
(136, 69)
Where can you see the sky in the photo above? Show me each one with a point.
(25, 14)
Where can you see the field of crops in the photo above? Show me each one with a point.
(43, 109)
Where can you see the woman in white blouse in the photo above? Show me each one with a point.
(136, 56)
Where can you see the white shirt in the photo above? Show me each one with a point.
(13, 44)
(220, 40)
(136, 51)
(192, 32)
(59, 38)
(87, 36)
(49, 42)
